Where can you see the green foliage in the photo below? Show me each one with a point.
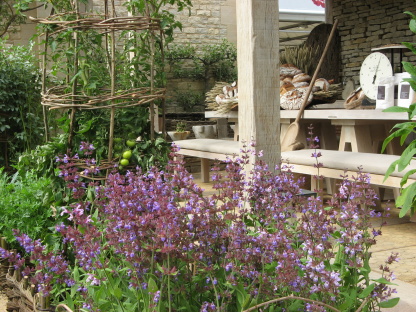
(20, 109)
(41, 163)
(26, 204)
(12, 13)
(216, 60)
(41, 159)
(407, 198)
(189, 99)
(83, 65)
(180, 126)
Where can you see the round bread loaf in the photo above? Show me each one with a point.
(289, 70)
(285, 87)
(322, 83)
(293, 99)
(355, 99)
(287, 79)
(302, 77)
(301, 84)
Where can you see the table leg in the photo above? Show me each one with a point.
(236, 131)
(222, 130)
(328, 141)
(205, 169)
(357, 136)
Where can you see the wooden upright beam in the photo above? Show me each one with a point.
(258, 76)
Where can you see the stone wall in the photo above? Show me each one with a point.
(367, 24)
(364, 24)
(209, 22)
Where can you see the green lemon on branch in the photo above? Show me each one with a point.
(127, 154)
(124, 162)
(118, 148)
(131, 143)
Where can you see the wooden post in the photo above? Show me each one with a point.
(329, 11)
(258, 76)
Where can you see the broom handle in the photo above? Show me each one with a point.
(318, 67)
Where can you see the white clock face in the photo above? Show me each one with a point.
(375, 67)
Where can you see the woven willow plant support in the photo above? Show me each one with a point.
(110, 26)
(22, 295)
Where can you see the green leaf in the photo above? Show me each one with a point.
(69, 302)
(367, 291)
(410, 46)
(389, 303)
(410, 13)
(409, 67)
(382, 280)
(75, 272)
(242, 297)
(412, 25)
(406, 199)
(406, 176)
(117, 292)
(54, 45)
(85, 127)
(396, 109)
(405, 158)
(152, 286)
(296, 306)
(403, 131)
(391, 169)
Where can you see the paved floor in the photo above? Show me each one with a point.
(398, 235)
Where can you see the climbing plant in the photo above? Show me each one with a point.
(85, 62)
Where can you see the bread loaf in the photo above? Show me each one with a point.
(302, 77)
(301, 84)
(287, 79)
(355, 99)
(293, 99)
(285, 87)
(322, 83)
(289, 70)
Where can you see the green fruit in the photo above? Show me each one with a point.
(120, 167)
(118, 140)
(124, 162)
(131, 143)
(127, 154)
(118, 148)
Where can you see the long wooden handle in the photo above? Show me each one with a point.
(318, 67)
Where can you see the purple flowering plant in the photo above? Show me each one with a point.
(151, 241)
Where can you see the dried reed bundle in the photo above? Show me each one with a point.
(210, 102)
(222, 97)
(300, 56)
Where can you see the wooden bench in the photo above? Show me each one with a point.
(335, 163)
